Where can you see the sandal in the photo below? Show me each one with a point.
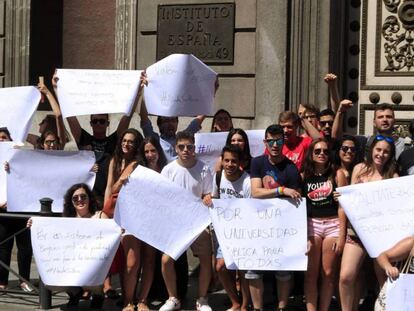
(111, 294)
(142, 306)
(129, 307)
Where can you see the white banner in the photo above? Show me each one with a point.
(180, 85)
(17, 106)
(6, 149)
(159, 212)
(74, 251)
(209, 145)
(36, 174)
(259, 234)
(83, 92)
(381, 212)
(400, 293)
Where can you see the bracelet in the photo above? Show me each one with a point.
(282, 190)
(277, 191)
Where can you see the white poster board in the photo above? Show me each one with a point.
(74, 251)
(6, 149)
(400, 293)
(381, 212)
(209, 145)
(90, 91)
(36, 174)
(17, 106)
(159, 212)
(180, 85)
(256, 234)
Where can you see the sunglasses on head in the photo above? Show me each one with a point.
(325, 123)
(345, 149)
(272, 142)
(386, 138)
(190, 147)
(99, 121)
(319, 151)
(79, 197)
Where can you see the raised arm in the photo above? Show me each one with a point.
(310, 129)
(110, 181)
(73, 122)
(126, 119)
(344, 105)
(56, 110)
(331, 80)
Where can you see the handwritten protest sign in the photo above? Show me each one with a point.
(400, 293)
(36, 174)
(381, 212)
(6, 149)
(209, 145)
(180, 85)
(159, 212)
(259, 234)
(17, 106)
(83, 92)
(74, 251)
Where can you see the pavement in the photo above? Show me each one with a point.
(18, 300)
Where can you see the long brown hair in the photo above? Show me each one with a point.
(390, 167)
(119, 155)
(308, 167)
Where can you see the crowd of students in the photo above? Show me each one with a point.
(305, 155)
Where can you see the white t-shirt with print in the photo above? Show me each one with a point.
(232, 189)
(197, 179)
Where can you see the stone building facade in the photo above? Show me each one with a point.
(281, 50)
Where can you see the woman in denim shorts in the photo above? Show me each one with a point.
(326, 224)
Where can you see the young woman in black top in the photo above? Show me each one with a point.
(326, 224)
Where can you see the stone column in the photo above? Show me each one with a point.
(309, 52)
(16, 40)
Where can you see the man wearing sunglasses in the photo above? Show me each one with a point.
(326, 121)
(195, 176)
(273, 175)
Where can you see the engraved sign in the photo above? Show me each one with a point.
(204, 30)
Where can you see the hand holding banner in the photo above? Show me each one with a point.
(180, 85)
(17, 106)
(159, 212)
(83, 92)
(381, 212)
(259, 234)
(74, 251)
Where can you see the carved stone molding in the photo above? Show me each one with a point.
(126, 34)
(17, 42)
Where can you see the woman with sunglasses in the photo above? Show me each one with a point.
(48, 141)
(126, 158)
(345, 157)
(79, 201)
(380, 164)
(222, 121)
(326, 224)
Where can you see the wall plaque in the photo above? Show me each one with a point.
(204, 30)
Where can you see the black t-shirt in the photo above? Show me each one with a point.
(318, 191)
(98, 145)
(283, 174)
(406, 162)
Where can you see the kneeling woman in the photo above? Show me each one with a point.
(326, 224)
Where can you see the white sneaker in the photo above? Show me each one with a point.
(202, 304)
(171, 304)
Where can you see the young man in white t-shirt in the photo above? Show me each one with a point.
(195, 176)
(229, 183)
